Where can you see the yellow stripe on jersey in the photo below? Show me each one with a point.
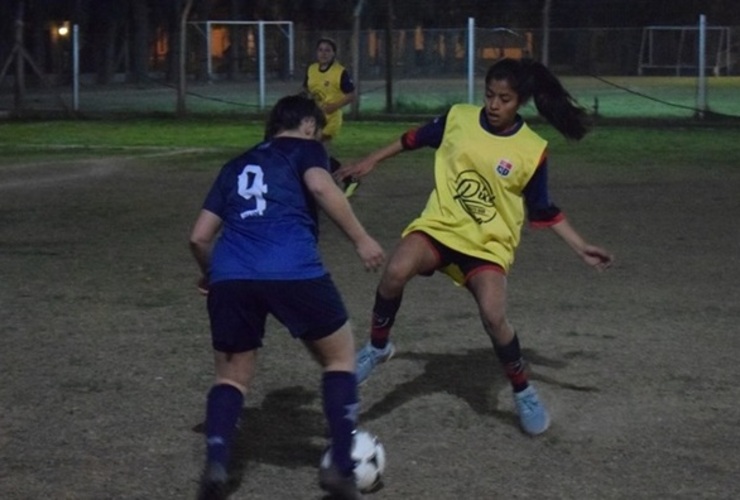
(477, 206)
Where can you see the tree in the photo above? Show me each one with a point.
(182, 75)
(140, 40)
(107, 22)
(546, 32)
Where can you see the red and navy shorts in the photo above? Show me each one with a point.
(467, 264)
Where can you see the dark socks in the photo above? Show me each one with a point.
(511, 358)
(341, 407)
(384, 315)
(223, 406)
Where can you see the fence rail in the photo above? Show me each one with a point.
(429, 70)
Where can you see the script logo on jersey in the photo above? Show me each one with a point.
(504, 167)
(475, 195)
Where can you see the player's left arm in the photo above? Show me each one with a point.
(334, 203)
(594, 256)
(349, 94)
(541, 212)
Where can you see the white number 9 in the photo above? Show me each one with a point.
(254, 189)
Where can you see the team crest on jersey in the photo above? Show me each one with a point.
(475, 196)
(504, 167)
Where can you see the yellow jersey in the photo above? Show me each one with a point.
(477, 205)
(326, 88)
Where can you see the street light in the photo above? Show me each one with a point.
(63, 29)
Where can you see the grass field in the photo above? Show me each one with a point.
(104, 343)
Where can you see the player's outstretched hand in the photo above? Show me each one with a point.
(354, 170)
(371, 253)
(597, 257)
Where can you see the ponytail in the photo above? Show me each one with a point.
(531, 79)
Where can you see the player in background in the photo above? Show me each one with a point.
(490, 173)
(256, 244)
(329, 82)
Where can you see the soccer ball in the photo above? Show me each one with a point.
(369, 456)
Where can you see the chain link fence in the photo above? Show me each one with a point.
(604, 68)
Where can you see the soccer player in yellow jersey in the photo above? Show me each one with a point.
(331, 85)
(490, 173)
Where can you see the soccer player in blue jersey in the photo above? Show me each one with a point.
(256, 243)
(490, 173)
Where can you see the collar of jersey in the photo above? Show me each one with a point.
(518, 122)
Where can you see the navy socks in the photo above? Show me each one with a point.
(223, 406)
(341, 406)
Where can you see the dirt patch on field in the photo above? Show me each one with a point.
(105, 352)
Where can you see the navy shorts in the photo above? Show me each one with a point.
(310, 309)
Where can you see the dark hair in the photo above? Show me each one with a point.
(329, 41)
(529, 78)
(290, 111)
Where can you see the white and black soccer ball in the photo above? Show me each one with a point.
(369, 456)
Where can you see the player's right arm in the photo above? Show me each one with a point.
(367, 164)
(429, 134)
(202, 237)
(334, 203)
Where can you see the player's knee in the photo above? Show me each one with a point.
(497, 326)
(395, 277)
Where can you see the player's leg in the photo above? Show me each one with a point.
(314, 312)
(235, 343)
(335, 353)
(223, 407)
(414, 255)
(488, 286)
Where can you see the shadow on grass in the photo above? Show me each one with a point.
(474, 376)
(282, 432)
(287, 429)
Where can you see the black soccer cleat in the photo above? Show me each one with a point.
(337, 485)
(213, 483)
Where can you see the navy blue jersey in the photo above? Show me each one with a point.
(270, 220)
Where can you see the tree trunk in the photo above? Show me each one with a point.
(203, 12)
(107, 51)
(545, 56)
(182, 59)
(20, 67)
(107, 19)
(389, 58)
(235, 49)
(356, 16)
(140, 43)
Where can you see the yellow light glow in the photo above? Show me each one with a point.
(63, 30)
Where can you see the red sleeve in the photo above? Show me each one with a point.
(430, 134)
